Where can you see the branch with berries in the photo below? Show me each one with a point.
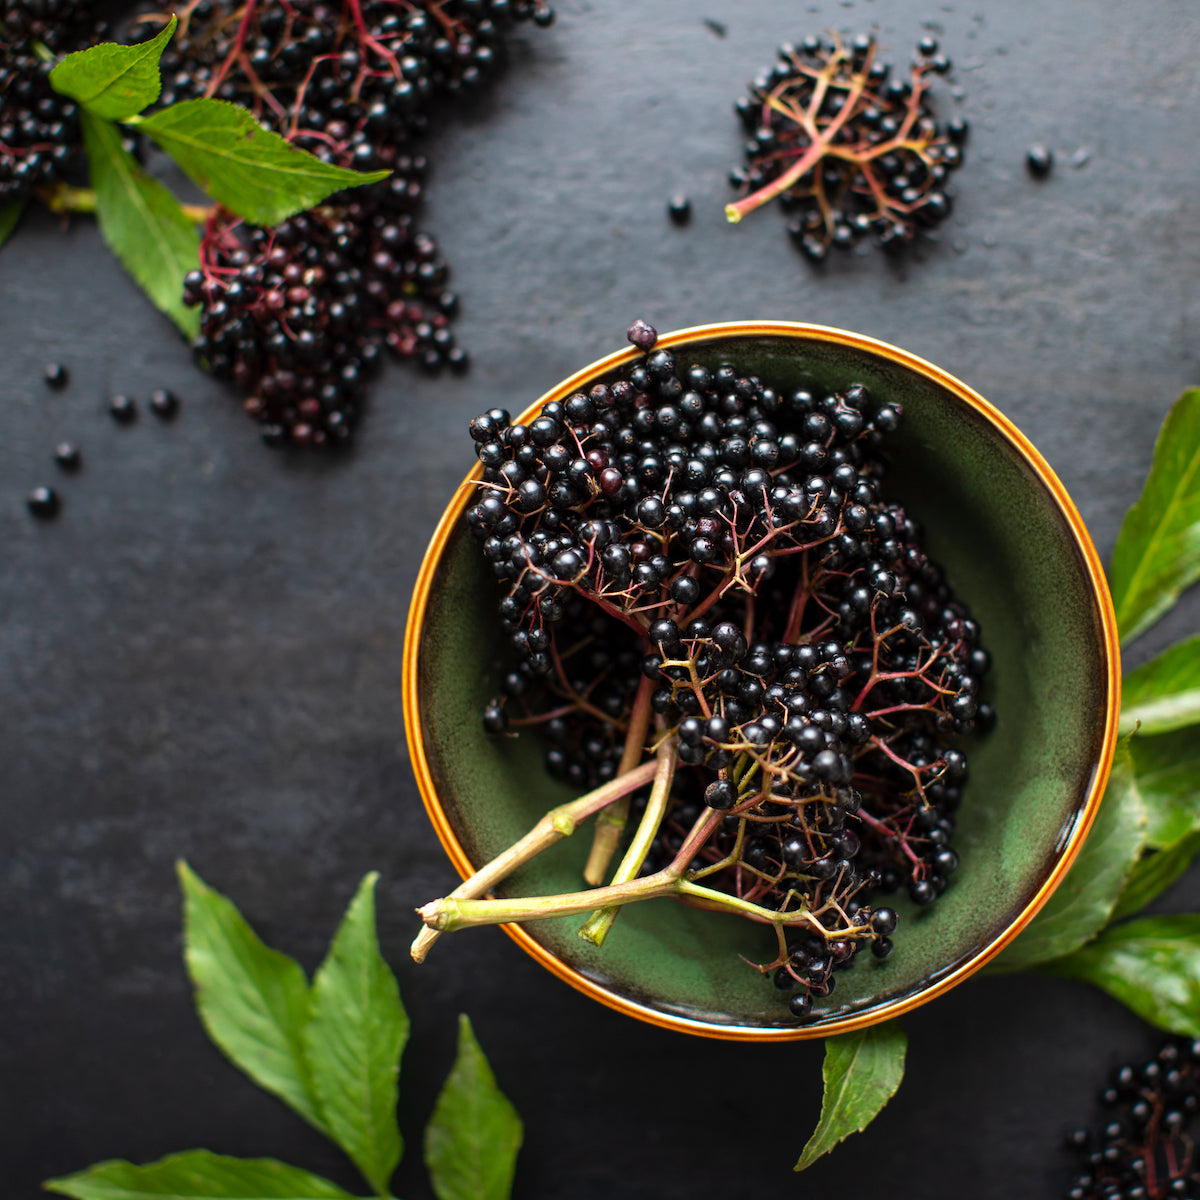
(726, 635)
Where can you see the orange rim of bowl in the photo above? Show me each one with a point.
(1084, 817)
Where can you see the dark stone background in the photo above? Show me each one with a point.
(201, 657)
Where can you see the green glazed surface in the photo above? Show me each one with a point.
(1010, 555)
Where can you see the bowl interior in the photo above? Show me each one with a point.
(1011, 554)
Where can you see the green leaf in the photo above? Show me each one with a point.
(1156, 872)
(862, 1072)
(111, 81)
(10, 217)
(1158, 550)
(1164, 694)
(142, 223)
(355, 1035)
(1167, 768)
(1151, 965)
(1083, 902)
(472, 1139)
(250, 170)
(252, 1000)
(196, 1175)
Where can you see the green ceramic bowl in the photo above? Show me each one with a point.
(1018, 555)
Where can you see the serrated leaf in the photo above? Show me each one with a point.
(247, 168)
(1163, 695)
(142, 223)
(111, 81)
(197, 1175)
(1167, 768)
(252, 1000)
(10, 218)
(1151, 965)
(862, 1072)
(354, 1039)
(1154, 874)
(1158, 550)
(1083, 902)
(472, 1139)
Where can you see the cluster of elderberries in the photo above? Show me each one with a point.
(39, 129)
(297, 316)
(1143, 1150)
(849, 149)
(698, 540)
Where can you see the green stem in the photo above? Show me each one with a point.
(555, 825)
(449, 914)
(63, 198)
(596, 928)
(610, 824)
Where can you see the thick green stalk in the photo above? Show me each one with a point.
(596, 928)
(557, 824)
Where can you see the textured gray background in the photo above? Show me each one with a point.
(202, 656)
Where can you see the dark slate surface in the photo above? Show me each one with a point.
(201, 657)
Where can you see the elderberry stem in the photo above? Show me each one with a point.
(447, 915)
(596, 928)
(555, 825)
(63, 198)
(610, 824)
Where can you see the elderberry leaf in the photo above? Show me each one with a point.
(1168, 776)
(1158, 549)
(472, 1139)
(1151, 965)
(354, 1038)
(862, 1072)
(142, 223)
(1164, 694)
(10, 216)
(111, 81)
(1083, 902)
(196, 1175)
(252, 1000)
(250, 170)
(1156, 871)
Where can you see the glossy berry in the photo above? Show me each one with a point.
(43, 502)
(679, 209)
(1039, 160)
(67, 455)
(164, 404)
(122, 409)
(56, 376)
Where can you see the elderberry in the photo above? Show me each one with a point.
(811, 690)
(850, 150)
(40, 140)
(297, 317)
(1143, 1147)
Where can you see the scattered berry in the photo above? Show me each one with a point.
(56, 376)
(642, 335)
(43, 502)
(679, 209)
(164, 403)
(1040, 160)
(67, 455)
(122, 409)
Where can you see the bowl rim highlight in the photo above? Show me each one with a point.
(1086, 813)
